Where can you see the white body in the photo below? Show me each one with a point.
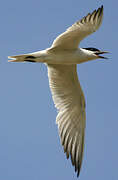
(55, 56)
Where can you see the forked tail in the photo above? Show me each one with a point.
(22, 58)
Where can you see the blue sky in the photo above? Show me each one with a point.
(29, 143)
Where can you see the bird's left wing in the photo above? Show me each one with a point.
(71, 38)
(69, 100)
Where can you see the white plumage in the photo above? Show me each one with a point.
(69, 100)
(61, 60)
(71, 38)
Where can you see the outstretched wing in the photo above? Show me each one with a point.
(71, 38)
(69, 100)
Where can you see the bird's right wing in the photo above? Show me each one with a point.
(71, 38)
(69, 100)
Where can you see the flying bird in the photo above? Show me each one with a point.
(61, 60)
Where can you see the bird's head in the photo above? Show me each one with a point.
(95, 53)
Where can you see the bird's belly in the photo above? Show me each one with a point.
(63, 58)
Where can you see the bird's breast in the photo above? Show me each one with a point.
(64, 57)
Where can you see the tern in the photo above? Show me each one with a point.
(61, 60)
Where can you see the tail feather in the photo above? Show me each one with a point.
(22, 58)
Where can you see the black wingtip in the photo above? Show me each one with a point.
(102, 7)
(78, 170)
(78, 173)
(100, 11)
